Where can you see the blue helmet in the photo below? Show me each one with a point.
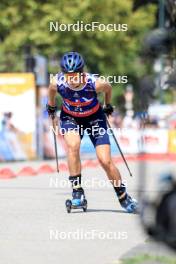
(72, 62)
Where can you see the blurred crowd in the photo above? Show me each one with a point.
(135, 121)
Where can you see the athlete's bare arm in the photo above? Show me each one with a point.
(106, 88)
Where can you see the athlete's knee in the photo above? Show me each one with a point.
(73, 147)
(105, 162)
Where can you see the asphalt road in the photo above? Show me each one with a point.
(35, 227)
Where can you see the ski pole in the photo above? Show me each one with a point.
(119, 147)
(55, 146)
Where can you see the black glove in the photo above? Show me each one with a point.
(51, 110)
(108, 109)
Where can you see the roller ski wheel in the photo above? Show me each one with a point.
(85, 206)
(78, 202)
(68, 205)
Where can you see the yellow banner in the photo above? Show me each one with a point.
(172, 141)
(16, 83)
(17, 116)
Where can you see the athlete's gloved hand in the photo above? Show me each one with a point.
(51, 110)
(108, 109)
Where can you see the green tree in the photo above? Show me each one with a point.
(106, 53)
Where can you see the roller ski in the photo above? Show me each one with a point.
(129, 204)
(78, 201)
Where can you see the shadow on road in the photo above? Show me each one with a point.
(101, 210)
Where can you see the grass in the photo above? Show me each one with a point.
(142, 259)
